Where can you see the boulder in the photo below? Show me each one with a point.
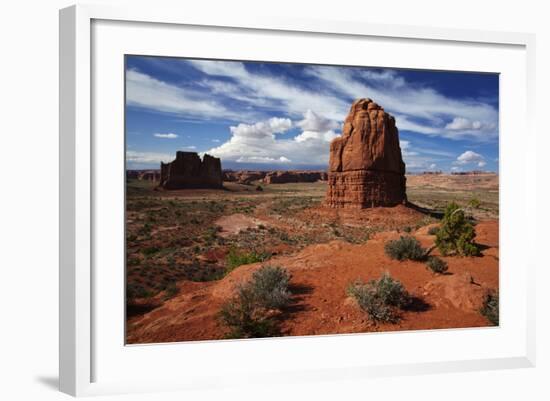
(189, 171)
(366, 168)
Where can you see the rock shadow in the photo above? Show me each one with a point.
(436, 214)
(417, 304)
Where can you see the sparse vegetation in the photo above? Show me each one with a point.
(381, 299)
(170, 291)
(437, 265)
(490, 308)
(247, 314)
(433, 230)
(270, 286)
(150, 250)
(236, 258)
(406, 247)
(456, 234)
(134, 291)
(474, 203)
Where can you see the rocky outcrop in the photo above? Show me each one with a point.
(366, 168)
(282, 177)
(189, 171)
(243, 177)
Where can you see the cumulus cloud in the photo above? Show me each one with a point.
(169, 135)
(470, 157)
(433, 166)
(460, 123)
(260, 142)
(261, 129)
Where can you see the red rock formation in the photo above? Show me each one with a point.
(189, 171)
(366, 168)
(243, 177)
(281, 177)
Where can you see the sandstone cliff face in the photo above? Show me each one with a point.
(189, 171)
(366, 168)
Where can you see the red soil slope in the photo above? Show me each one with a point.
(320, 276)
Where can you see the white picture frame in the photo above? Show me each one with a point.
(81, 346)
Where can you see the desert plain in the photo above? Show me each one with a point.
(190, 250)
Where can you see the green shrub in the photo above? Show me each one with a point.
(151, 250)
(244, 318)
(235, 258)
(490, 307)
(381, 298)
(405, 248)
(170, 291)
(247, 314)
(408, 229)
(474, 203)
(433, 230)
(134, 291)
(456, 234)
(437, 265)
(270, 287)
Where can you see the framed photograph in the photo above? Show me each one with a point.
(274, 200)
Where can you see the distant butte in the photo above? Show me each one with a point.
(189, 171)
(366, 168)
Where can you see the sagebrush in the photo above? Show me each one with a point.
(381, 298)
(406, 247)
(249, 313)
(437, 265)
(490, 307)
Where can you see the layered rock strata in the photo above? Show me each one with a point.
(366, 168)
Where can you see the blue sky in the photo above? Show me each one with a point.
(256, 115)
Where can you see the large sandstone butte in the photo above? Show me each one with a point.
(366, 168)
(189, 171)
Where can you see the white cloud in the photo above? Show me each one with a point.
(409, 102)
(481, 164)
(460, 123)
(470, 157)
(169, 135)
(262, 159)
(148, 157)
(281, 94)
(216, 140)
(262, 129)
(259, 142)
(314, 122)
(145, 91)
(433, 166)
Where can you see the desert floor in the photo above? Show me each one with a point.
(178, 244)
